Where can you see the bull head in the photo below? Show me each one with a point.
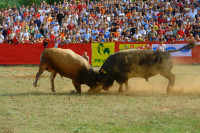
(105, 78)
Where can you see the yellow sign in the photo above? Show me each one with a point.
(101, 51)
(134, 46)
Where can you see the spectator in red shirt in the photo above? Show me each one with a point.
(52, 37)
(70, 26)
(180, 32)
(16, 39)
(162, 20)
(160, 31)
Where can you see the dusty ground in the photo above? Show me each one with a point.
(144, 108)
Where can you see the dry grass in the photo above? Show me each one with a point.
(145, 108)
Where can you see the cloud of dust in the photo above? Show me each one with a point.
(186, 82)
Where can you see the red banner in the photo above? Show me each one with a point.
(30, 53)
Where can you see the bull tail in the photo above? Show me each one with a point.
(186, 47)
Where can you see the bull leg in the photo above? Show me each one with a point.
(41, 70)
(126, 86)
(77, 87)
(171, 77)
(53, 75)
(120, 88)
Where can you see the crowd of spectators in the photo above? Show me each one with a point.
(87, 21)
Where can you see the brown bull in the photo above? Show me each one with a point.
(67, 64)
(138, 63)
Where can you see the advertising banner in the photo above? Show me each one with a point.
(101, 51)
(182, 53)
(134, 46)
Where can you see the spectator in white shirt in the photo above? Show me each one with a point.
(161, 46)
(142, 31)
(137, 34)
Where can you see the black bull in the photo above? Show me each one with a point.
(138, 63)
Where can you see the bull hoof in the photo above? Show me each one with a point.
(35, 84)
(52, 90)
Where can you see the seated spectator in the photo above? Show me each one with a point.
(179, 38)
(16, 39)
(190, 38)
(10, 40)
(197, 38)
(137, 34)
(68, 40)
(146, 39)
(86, 36)
(171, 39)
(180, 32)
(153, 39)
(1, 39)
(152, 33)
(102, 39)
(175, 30)
(133, 39)
(140, 39)
(169, 33)
(107, 40)
(95, 33)
(26, 33)
(142, 31)
(73, 40)
(37, 35)
(79, 40)
(160, 31)
(46, 41)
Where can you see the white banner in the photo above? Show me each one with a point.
(175, 47)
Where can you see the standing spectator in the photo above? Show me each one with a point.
(60, 16)
(161, 46)
(52, 37)
(4, 32)
(43, 31)
(85, 56)
(46, 41)
(38, 22)
(70, 26)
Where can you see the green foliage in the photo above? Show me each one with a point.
(8, 3)
(18, 3)
(29, 2)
